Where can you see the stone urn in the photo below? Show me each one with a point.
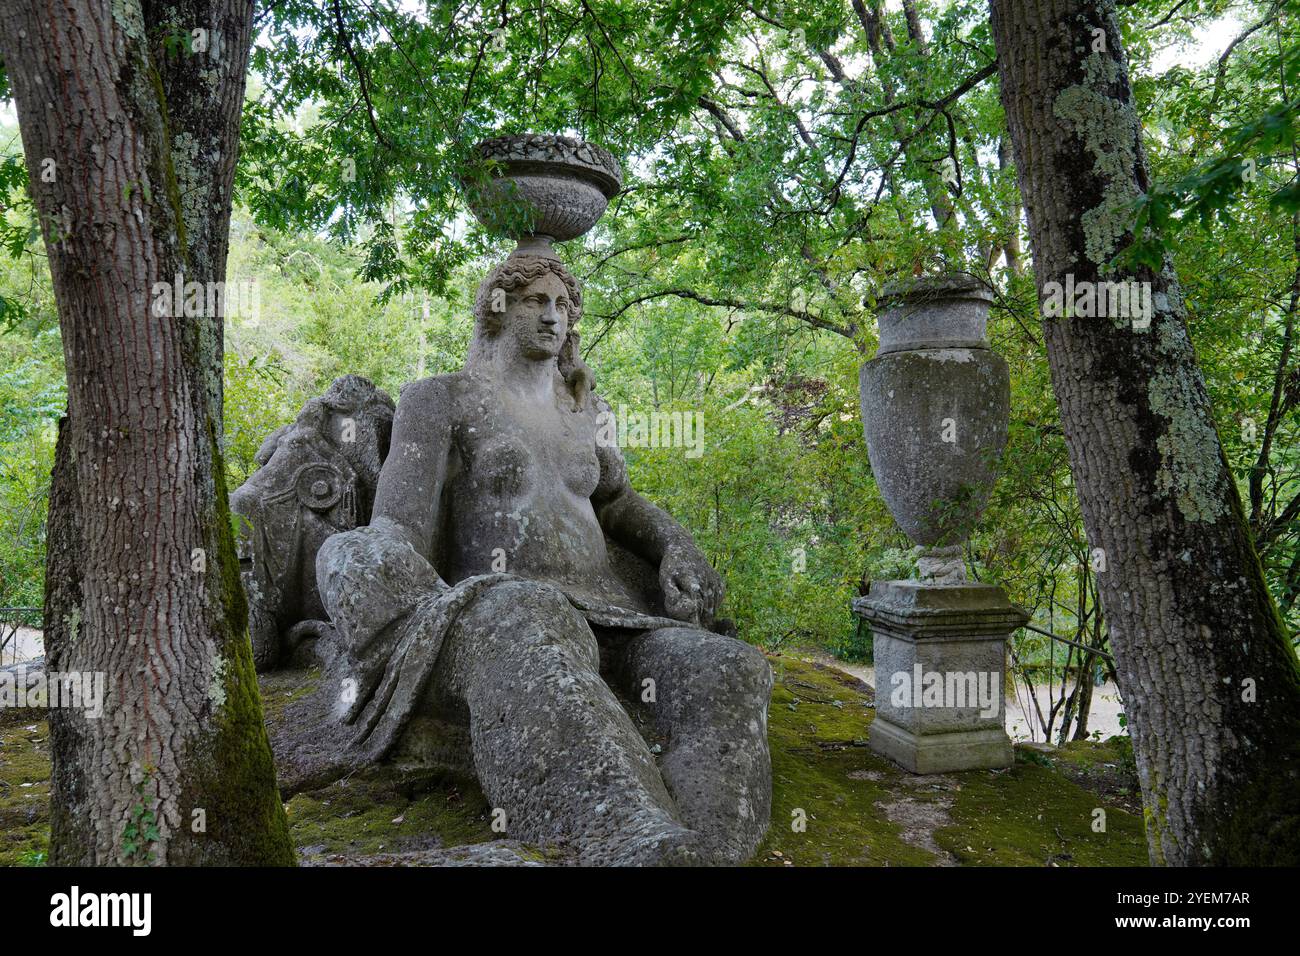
(539, 188)
(935, 401)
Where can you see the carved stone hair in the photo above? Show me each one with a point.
(517, 272)
(353, 393)
(347, 395)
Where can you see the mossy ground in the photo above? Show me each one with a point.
(1105, 767)
(856, 808)
(862, 810)
(1030, 815)
(24, 790)
(282, 688)
(380, 811)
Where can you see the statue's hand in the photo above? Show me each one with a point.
(692, 589)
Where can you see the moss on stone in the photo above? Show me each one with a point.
(279, 689)
(386, 811)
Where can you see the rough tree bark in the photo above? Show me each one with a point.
(1210, 684)
(120, 133)
(204, 93)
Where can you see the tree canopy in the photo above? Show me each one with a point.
(783, 161)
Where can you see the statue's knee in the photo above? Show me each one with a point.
(368, 578)
(705, 663)
(757, 665)
(741, 666)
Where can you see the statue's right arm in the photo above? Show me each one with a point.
(409, 492)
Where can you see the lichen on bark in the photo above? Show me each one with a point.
(1190, 471)
(1105, 127)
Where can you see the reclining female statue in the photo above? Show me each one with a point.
(484, 590)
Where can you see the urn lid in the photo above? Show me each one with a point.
(951, 285)
(933, 312)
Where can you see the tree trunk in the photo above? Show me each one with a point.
(1209, 682)
(203, 90)
(142, 581)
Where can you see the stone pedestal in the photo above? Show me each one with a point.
(940, 673)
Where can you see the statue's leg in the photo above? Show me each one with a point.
(708, 701)
(553, 748)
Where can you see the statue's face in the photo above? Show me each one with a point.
(537, 317)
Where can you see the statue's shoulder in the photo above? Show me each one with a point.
(436, 393)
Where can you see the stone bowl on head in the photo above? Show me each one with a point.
(541, 189)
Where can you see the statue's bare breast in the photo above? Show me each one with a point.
(518, 495)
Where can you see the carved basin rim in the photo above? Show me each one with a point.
(917, 289)
(563, 156)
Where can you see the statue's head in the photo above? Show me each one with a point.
(357, 418)
(532, 303)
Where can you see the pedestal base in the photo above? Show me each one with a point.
(941, 753)
(940, 674)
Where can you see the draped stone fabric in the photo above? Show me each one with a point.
(391, 614)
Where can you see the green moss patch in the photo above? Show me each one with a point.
(24, 791)
(1032, 815)
(864, 810)
(1105, 768)
(825, 782)
(282, 688)
(834, 801)
(385, 811)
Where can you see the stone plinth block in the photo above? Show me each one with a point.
(940, 673)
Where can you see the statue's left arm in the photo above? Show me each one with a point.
(692, 588)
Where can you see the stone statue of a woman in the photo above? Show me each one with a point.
(496, 586)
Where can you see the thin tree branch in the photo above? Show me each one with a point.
(807, 317)
(346, 41)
